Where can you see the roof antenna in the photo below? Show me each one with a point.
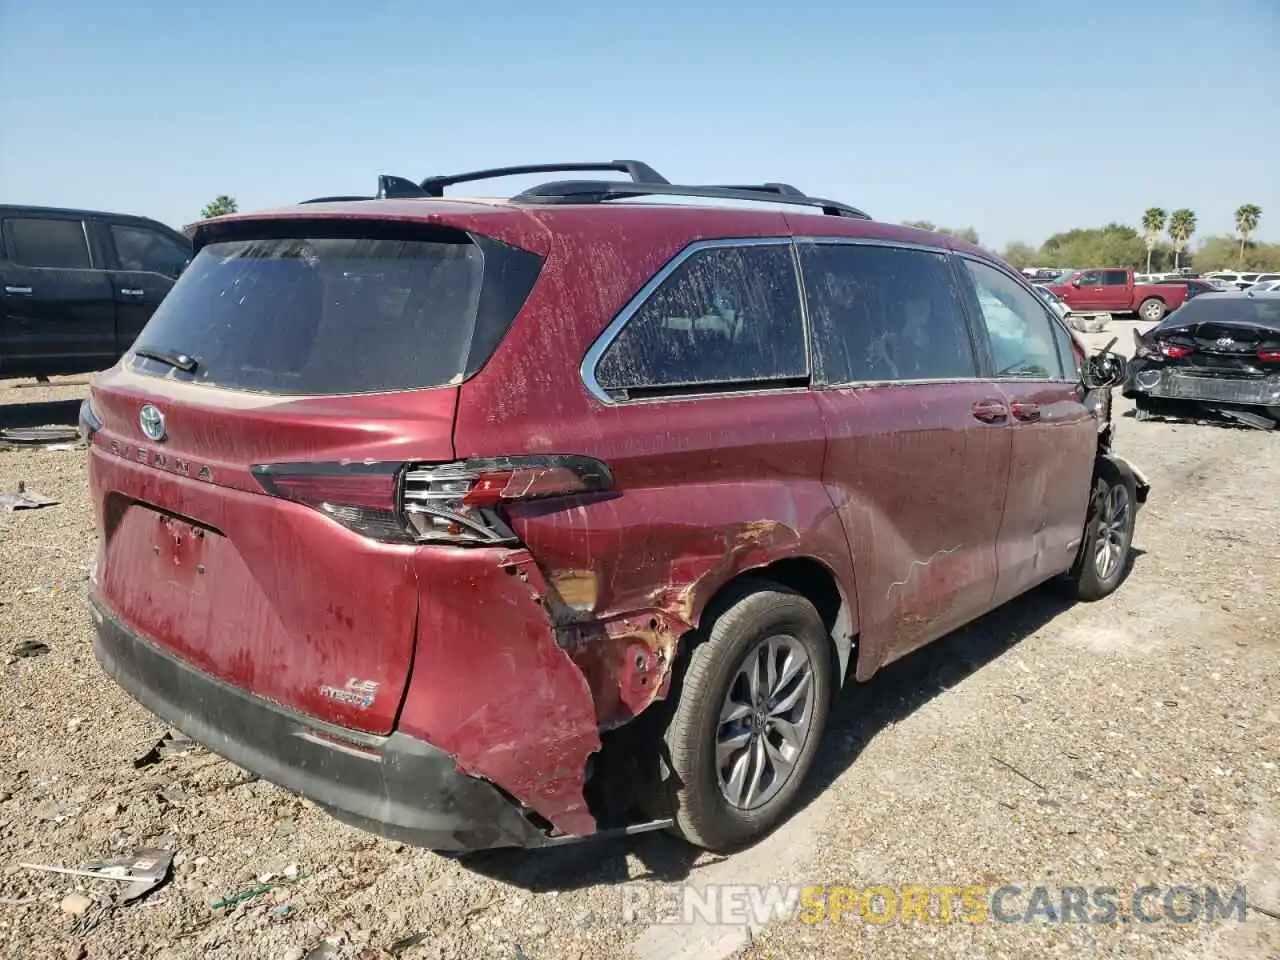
(390, 186)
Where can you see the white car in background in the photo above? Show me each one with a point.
(1266, 286)
(1236, 281)
(1055, 302)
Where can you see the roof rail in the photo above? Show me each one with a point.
(598, 191)
(638, 171)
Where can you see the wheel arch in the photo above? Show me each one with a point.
(811, 579)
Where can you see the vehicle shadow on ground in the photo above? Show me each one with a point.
(857, 715)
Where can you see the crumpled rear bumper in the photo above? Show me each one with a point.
(397, 786)
(1168, 383)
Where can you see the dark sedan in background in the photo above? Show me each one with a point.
(1216, 356)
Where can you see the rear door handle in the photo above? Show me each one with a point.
(131, 292)
(990, 411)
(18, 291)
(1025, 411)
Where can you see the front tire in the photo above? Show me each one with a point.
(750, 716)
(1103, 561)
(1152, 310)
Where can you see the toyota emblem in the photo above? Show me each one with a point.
(151, 420)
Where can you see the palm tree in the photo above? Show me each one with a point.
(1153, 222)
(220, 207)
(1247, 218)
(1182, 224)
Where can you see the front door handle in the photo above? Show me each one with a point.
(990, 411)
(131, 291)
(18, 291)
(1025, 411)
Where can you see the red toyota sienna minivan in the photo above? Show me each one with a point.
(508, 522)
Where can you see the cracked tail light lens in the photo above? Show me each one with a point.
(461, 502)
(458, 503)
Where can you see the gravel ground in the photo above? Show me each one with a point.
(1122, 743)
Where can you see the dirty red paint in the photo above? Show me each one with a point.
(514, 659)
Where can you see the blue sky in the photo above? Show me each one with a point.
(1018, 118)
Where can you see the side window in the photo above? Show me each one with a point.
(725, 315)
(1117, 278)
(59, 244)
(885, 313)
(138, 248)
(1018, 325)
(1066, 350)
(1090, 278)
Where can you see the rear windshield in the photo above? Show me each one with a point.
(1225, 308)
(333, 314)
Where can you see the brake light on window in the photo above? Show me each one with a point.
(1175, 351)
(457, 503)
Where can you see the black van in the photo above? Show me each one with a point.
(78, 286)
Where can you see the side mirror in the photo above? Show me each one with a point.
(1076, 283)
(1105, 369)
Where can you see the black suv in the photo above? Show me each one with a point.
(79, 286)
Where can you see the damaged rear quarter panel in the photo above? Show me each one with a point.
(696, 504)
(491, 686)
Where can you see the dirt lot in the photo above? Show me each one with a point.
(1134, 741)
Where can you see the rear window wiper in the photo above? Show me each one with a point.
(179, 360)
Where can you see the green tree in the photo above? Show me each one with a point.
(220, 207)
(1247, 218)
(1182, 224)
(1217, 252)
(1020, 255)
(968, 234)
(1114, 245)
(1153, 220)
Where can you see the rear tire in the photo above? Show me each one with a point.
(727, 736)
(1152, 310)
(1103, 561)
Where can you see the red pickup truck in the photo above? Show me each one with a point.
(1112, 290)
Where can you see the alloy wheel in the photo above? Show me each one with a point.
(1113, 532)
(764, 722)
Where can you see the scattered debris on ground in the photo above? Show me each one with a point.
(29, 648)
(24, 499)
(168, 746)
(36, 436)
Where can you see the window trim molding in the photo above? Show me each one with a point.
(597, 350)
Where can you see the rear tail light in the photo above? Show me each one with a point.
(458, 503)
(1269, 355)
(1175, 351)
(461, 502)
(361, 496)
